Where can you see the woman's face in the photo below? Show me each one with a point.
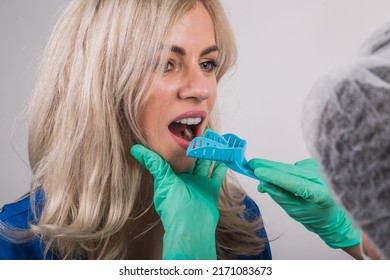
(181, 102)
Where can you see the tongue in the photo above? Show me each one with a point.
(177, 128)
(181, 130)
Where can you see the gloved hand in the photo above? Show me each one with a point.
(299, 190)
(187, 204)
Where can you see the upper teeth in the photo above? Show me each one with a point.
(190, 121)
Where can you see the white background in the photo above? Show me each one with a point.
(284, 47)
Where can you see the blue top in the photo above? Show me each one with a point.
(19, 214)
(253, 212)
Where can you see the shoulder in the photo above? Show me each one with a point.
(19, 213)
(17, 216)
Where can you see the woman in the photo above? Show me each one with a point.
(116, 74)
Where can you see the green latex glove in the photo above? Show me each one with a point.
(299, 190)
(187, 204)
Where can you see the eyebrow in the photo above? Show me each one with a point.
(209, 50)
(182, 52)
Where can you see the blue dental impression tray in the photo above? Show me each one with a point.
(228, 148)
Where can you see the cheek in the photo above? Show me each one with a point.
(150, 117)
(153, 120)
(211, 100)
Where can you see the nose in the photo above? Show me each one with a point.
(197, 84)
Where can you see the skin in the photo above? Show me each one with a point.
(187, 88)
(354, 252)
(370, 251)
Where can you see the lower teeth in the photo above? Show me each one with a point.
(187, 134)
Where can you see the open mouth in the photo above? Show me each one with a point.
(186, 128)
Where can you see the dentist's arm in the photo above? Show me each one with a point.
(300, 191)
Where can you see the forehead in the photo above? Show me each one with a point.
(194, 28)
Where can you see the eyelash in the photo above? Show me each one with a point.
(212, 63)
(170, 62)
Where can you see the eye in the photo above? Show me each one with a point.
(208, 66)
(169, 66)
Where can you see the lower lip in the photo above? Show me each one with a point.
(181, 142)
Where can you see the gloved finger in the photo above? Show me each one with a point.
(262, 186)
(284, 167)
(202, 167)
(158, 167)
(279, 195)
(292, 169)
(308, 163)
(297, 186)
(219, 172)
(260, 162)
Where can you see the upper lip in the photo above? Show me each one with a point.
(197, 129)
(191, 114)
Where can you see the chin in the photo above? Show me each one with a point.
(182, 166)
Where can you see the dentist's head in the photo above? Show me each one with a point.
(346, 123)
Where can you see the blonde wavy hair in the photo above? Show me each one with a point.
(96, 74)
